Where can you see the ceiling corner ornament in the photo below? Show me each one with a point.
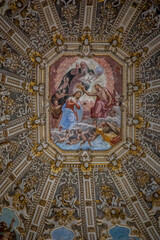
(79, 119)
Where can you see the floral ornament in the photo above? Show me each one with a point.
(115, 214)
(63, 216)
(19, 201)
(36, 57)
(134, 88)
(86, 39)
(32, 122)
(58, 40)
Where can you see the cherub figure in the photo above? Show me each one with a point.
(65, 138)
(61, 94)
(55, 109)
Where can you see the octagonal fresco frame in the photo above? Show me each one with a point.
(43, 133)
(85, 59)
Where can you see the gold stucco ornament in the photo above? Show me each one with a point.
(37, 150)
(155, 198)
(115, 165)
(19, 201)
(36, 57)
(58, 39)
(86, 39)
(64, 215)
(135, 148)
(115, 213)
(56, 166)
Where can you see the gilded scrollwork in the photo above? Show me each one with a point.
(11, 61)
(147, 184)
(150, 69)
(25, 16)
(150, 140)
(69, 14)
(10, 150)
(150, 102)
(107, 12)
(13, 105)
(147, 23)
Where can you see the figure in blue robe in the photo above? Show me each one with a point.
(72, 112)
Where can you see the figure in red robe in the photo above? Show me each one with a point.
(104, 102)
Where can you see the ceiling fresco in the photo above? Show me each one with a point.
(79, 119)
(84, 112)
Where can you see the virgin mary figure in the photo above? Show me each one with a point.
(72, 112)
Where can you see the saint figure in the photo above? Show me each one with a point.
(104, 101)
(72, 112)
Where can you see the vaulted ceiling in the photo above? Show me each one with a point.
(45, 188)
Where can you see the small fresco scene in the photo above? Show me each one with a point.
(8, 223)
(62, 233)
(121, 233)
(85, 102)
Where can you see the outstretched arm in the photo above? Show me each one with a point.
(89, 93)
